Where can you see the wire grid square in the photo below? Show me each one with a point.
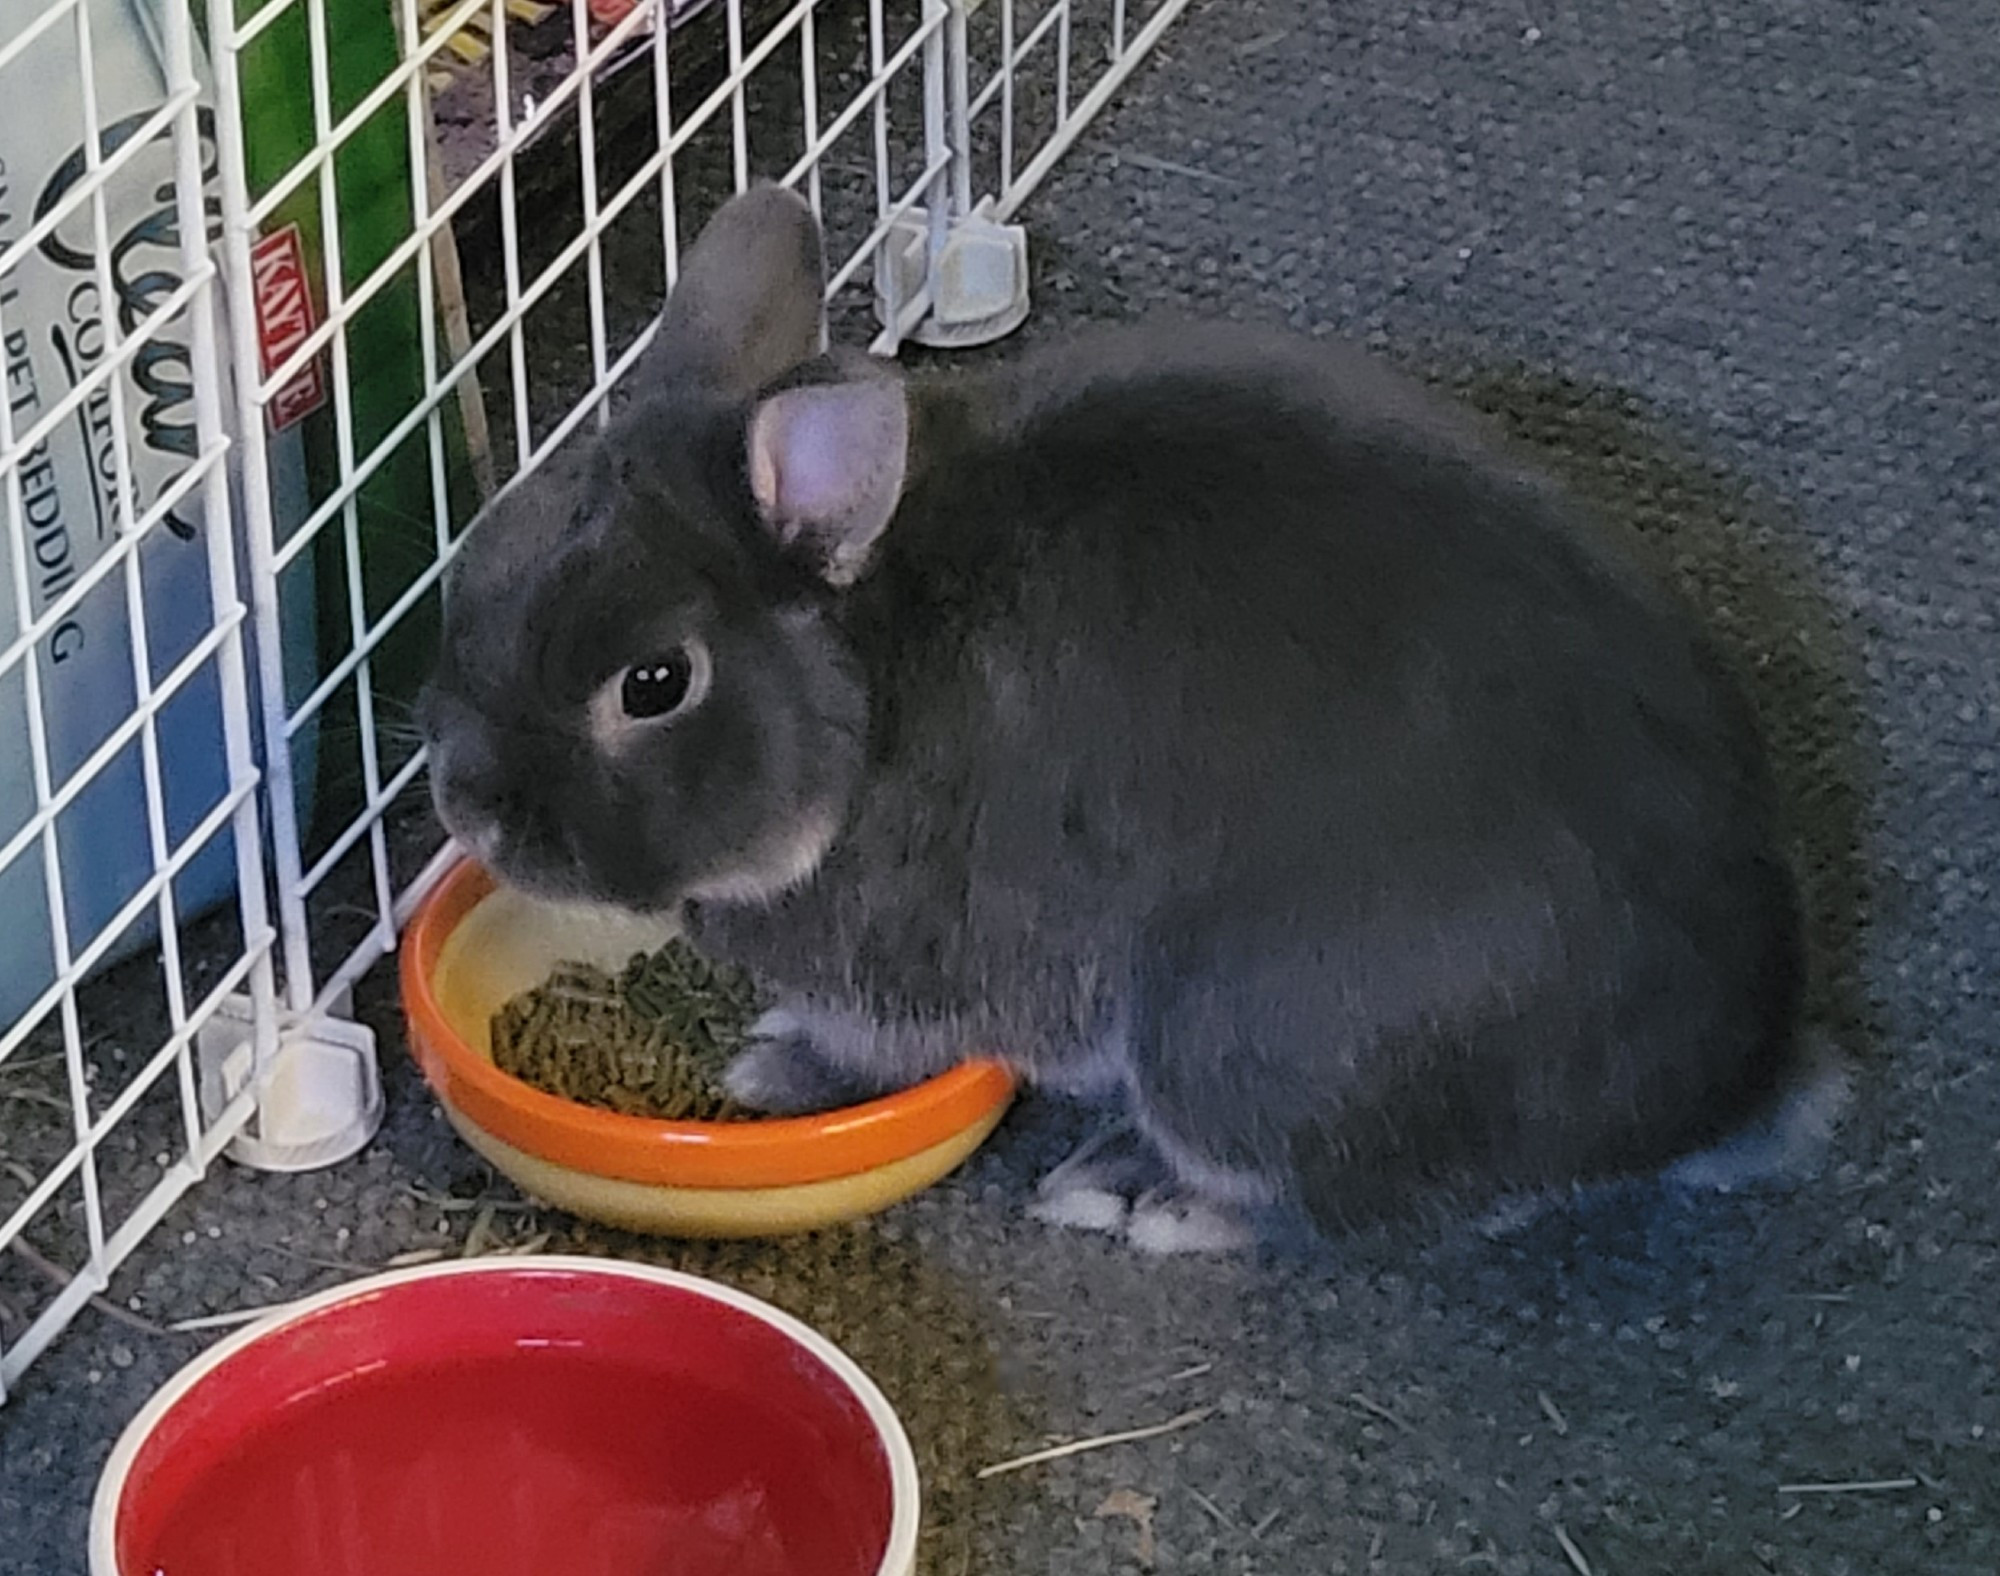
(379, 383)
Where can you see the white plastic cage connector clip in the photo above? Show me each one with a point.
(318, 1100)
(979, 287)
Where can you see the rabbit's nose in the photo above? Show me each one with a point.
(469, 786)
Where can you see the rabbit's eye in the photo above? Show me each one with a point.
(666, 685)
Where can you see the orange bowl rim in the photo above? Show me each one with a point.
(759, 1153)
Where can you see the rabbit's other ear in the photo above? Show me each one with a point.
(750, 301)
(827, 465)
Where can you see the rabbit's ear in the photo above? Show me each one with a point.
(827, 465)
(750, 301)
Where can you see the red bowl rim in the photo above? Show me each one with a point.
(772, 1152)
(898, 1554)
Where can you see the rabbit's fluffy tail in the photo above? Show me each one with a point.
(1787, 1146)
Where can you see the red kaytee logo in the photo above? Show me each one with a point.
(285, 320)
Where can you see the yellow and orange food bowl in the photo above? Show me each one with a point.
(474, 945)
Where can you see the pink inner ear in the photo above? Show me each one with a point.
(815, 459)
(829, 459)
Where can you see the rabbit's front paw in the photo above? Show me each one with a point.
(783, 1071)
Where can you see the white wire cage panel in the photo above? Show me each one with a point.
(287, 289)
(132, 903)
(553, 168)
(1036, 75)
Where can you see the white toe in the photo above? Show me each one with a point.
(747, 1080)
(1186, 1227)
(771, 1076)
(776, 1024)
(1081, 1208)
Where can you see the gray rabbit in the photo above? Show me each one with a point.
(1201, 722)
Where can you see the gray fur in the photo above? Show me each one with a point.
(1216, 726)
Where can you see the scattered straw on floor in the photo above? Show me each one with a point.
(1077, 1447)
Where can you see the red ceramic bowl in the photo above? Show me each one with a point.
(539, 1417)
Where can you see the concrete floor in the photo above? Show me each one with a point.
(1731, 266)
